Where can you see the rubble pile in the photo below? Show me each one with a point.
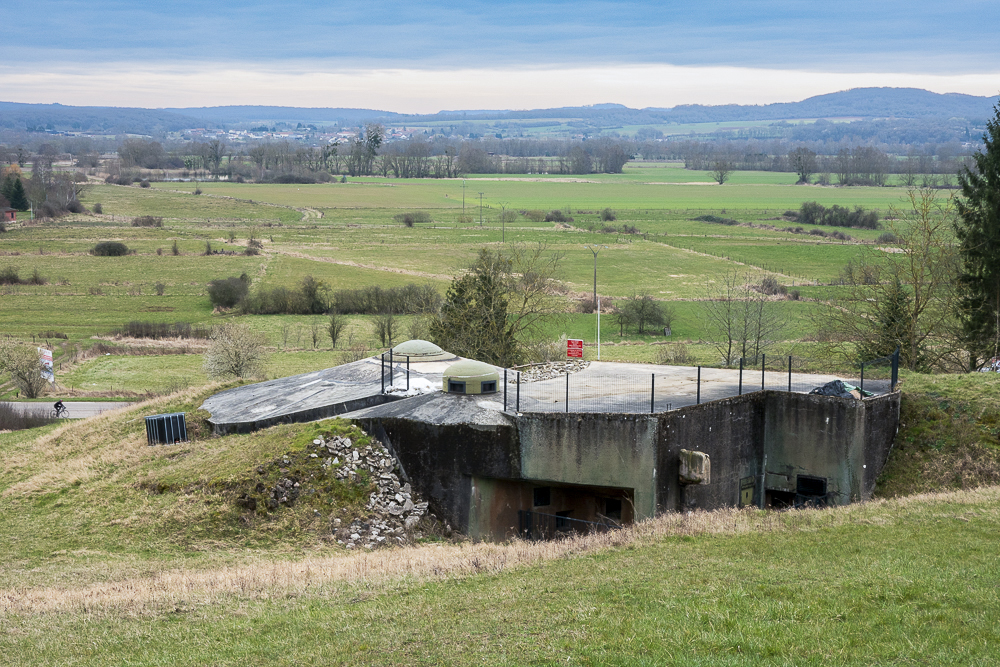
(553, 369)
(331, 465)
(393, 510)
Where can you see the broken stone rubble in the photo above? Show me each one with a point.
(393, 505)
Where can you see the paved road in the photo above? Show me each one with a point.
(77, 409)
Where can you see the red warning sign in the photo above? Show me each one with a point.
(574, 349)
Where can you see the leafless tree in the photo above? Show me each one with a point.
(236, 350)
(722, 168)
(903, 298)
(744, 322)
(336, 327)
(22, 363)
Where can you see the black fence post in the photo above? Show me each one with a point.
(895, 370)
(741, 376)
(652, 392)
(383, 372)
(763, 364)
(699, 387)
(505, 390)
(789, 374)
(392, 380)
(567, 392)
(518, 408)
(407, 372)
(862, 378)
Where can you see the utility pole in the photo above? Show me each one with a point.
(597, 304)
(503, 221)
(481, 209)
(463, 200)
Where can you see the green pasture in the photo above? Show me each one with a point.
(163, 373)
(175, 201)
(357, 242)
(526, 192)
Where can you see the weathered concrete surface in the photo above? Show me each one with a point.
(807, 435)
(592, 449)
(881, 427)
(477, 465)
(619, 387)
(441, 450)
(730, 431)
(317, 395)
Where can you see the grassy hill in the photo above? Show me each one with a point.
(117, 552)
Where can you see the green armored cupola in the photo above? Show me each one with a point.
(471, 377)
(420, 350)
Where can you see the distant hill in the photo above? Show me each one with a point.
(97, 120)
(260, 114)
(866, 103)
(862, 102)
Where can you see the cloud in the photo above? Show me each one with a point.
(420, 55)
(430, 90)
(848, 35)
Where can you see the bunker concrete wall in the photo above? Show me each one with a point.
(730, 431)
(881, 426)
(440, 460)
(461, 468)
(610, 450)
(818, 436)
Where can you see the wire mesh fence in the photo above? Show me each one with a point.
(679, 386)
(635, 392)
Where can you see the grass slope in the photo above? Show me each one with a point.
(900, 582)
(119, 552)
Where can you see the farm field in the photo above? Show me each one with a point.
(528, 192)
(345, 235)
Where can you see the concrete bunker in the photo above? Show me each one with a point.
(493, 472)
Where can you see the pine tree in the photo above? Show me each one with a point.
(13, 190)
(978, 231)
(18, 197)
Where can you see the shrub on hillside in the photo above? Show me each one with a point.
(228, 292)
(147, 221)
(109, 249)
(415, 217)
(557, 216)
(814, 213)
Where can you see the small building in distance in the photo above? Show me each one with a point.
(8, 214)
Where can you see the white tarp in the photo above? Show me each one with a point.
(48, 370)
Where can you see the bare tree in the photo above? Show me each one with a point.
(722, 168)
(24, 366)
(336, 327)
(385, 328)
(903, 298)
(236, 350)
(744, 321)
(803, 161)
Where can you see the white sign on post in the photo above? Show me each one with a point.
(48, 370)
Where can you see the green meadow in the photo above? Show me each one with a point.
(120, 553)
(346, 235)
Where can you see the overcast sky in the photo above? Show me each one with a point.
(419, 57)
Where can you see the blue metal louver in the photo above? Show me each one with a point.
(166, 429)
